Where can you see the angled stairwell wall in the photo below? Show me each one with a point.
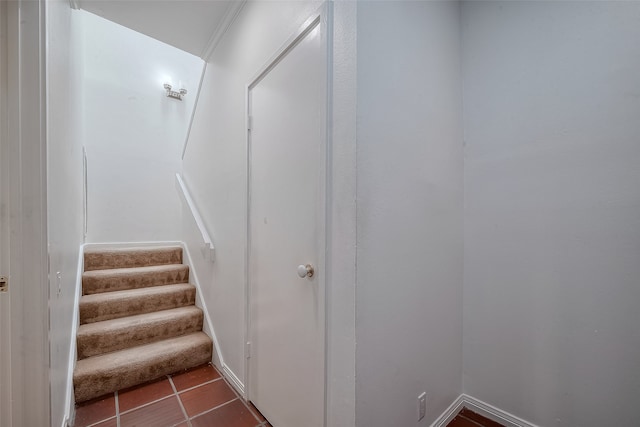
(138, 319)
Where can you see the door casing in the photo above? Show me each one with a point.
(24, 147)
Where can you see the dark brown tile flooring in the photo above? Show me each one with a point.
(195, 398)
(199, 397)
(467, 418)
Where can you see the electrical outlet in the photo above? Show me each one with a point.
(422, 405)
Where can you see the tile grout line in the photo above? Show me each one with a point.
(471, 421)
(144, 405)
(158, 399)
(251, 411)
(175, 392)
(196, 386)
(243, 402)
(101, 421)
(213, 409)
(117, 399)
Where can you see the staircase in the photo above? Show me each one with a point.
(138, 321)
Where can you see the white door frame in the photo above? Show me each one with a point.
(26, 147)
(321, 17)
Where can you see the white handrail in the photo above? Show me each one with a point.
(208, 250)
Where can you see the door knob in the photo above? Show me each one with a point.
(305, 271)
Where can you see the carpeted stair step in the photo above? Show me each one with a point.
(113, 305)
(117, 334)
(99, 375)
(107, 258)
(119, 279)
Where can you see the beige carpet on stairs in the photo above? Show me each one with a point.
(138, 321)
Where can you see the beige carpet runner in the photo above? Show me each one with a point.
(138, 321)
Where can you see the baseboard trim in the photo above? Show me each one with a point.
(217, 358)
(450, 413)
(234, 380)
(70, 401)
(493, 413)
(482, 408)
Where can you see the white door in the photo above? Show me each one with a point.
(5, 338)
(287, 155)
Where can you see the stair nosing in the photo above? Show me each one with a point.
(115, 294)
(134, 270)
(96, 325)
(105, 373)
(123, 353)
(107, 248)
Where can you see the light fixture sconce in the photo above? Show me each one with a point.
(174, 94)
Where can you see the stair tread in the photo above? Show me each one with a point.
(99, 258)
(134, 270)
(136, 355)
(117, 279)
(98, 375)
(124, 332)
(107, 305)
(138, 319)
(130, 249)
(134, 293)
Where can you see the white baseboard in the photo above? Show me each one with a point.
(70, 401)
(481, 408)
(493, 413)
(450, 413)
(234, 380)
(217, 358)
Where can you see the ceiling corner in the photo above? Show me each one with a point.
(232, 12)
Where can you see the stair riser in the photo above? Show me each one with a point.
(101, 342)
(127, 258)
(89, 384)
(133, 280)
(91, 312)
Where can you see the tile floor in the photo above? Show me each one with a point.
(467, 418)
(199, 397)
(195, 398)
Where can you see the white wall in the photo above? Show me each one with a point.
(552, 215)
(409, 250)
(64, 191)
(341, 221)
(134, 134)
(214, 166)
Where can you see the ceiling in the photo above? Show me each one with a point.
(194, 26)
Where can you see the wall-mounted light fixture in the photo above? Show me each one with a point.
(174, 94)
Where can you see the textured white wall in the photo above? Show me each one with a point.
(552, 210)
(341, 219)
(64, 188)
(409, 251)
(214, 166)
(133, 133)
